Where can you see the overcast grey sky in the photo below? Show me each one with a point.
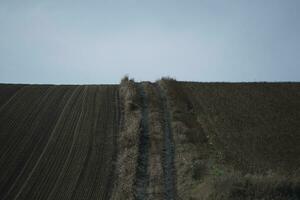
(64, 41)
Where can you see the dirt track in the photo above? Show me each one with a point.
(155, 177)
(142, 174)
(168, 156)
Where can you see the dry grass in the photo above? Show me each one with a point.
(156, 134)
(255, 187)
(128, 140)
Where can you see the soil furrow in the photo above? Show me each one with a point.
(15, 157)
(91, 115)
(26, 130)
(104, 154)
(72, 150)
(95, 179)
(86, 183)
(46, 146)
(142, 176)
(58, 151)
(51, 111)
(19, 116)
(102, 190)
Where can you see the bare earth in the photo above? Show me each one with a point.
(162, 140)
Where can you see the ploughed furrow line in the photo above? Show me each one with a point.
(18, 114)
(68, 173)
(59, 142)
(45, 172)
(14, 146)
(168, 155)
(22, 132)
(95, 179)
(105, 167)
(25, 155)
(89, 131)
(142, 176)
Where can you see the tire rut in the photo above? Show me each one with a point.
(168, 153)
(142, 176)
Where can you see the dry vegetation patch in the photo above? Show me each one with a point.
(128, 140)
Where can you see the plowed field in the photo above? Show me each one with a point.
(58, 142)
(236, 140)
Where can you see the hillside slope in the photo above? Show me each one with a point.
(162, 140)
(236, 141)
(58, 142)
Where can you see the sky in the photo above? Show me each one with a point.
(100, 41)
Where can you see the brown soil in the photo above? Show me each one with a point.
(59, 142)
(163, 140)
(230, 136)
